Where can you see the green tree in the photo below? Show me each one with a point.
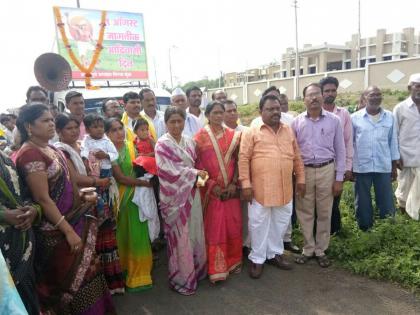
(209, 84)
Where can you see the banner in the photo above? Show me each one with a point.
(123, 55)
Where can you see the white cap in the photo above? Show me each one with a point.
(414, 78)
(177, 91)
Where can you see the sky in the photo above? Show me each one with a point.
(205, 37)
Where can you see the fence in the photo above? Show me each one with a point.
(386, 74)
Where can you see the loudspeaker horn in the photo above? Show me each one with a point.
(52, 72)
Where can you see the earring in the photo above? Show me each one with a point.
(29, 133)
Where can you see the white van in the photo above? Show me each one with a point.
(94, 98)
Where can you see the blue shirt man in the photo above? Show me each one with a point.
(375, 156)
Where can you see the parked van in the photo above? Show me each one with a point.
(94, 98)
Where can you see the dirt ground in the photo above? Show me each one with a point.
(307, 289)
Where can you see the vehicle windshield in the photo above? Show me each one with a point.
(94, 105)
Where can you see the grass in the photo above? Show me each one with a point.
(390, 251)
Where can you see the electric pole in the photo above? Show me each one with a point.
(297, 61)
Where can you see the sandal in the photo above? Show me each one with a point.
(323, 261)
(236, 270)
(302, 259)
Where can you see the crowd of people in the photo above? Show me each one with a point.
(87, 200)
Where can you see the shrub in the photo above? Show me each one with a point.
(389, 251)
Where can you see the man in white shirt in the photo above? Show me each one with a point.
(219, 96)
(286, 118)
(112, 108)
(75, 103)
(231, 116)
(194, 96)
(192, 124)
(148, 103)
(407, 116)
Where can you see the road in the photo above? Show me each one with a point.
(307, 289)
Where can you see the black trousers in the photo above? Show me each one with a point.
(336, 216)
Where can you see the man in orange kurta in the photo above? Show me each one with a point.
(268, 157)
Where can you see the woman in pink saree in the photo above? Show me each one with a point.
(180, 204)
(217, 148)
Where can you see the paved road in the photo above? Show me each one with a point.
(307, 289)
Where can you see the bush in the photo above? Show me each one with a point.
(297, 106)
(247, 113)
(389, 251)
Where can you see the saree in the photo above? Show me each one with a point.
(106, 242)
(222, 218)
(180, 206)
(17, 246)
(67, 283)
(132, 235)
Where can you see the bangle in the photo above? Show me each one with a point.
(94, 181)
(59, 222)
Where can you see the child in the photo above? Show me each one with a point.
(145, 146)
(98, 152)
(144, 142)
(146, 163)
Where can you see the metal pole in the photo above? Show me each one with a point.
(297, 61)
(154, 66)
(170, 68)
(78, 4)
(358, 39)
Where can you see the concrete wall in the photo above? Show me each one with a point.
(350, 80)
(285, 86)
(236, 94)
(305, 80)
(255, 91)
(386, 75)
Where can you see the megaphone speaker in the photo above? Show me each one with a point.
(52, 72)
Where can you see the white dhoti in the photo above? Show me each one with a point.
(245, 235)
(266, 227)
(288, 235)
(408, 191)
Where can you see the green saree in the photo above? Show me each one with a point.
(132, 235)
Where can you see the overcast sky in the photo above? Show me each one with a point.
(210, 36)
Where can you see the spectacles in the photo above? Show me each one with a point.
(316, 94)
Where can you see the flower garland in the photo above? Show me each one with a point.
(87, 71)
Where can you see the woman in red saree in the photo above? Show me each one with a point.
(217, 148)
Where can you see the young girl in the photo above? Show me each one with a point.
(146, 163)
(144, 143)
(145, 146)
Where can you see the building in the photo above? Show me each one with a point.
(271, 71)
(328, 57)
